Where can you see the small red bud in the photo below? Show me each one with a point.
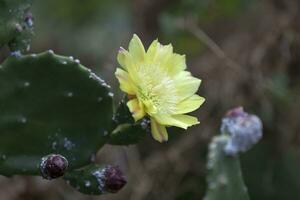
(53, 166)
(114, 179)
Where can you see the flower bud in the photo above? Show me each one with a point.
(244, 130)
(53, 166)
(114, 179)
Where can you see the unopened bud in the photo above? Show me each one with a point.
(114, 179)
(53, 166)
(96, 179)
(244, 130)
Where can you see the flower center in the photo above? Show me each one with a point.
(156, 90)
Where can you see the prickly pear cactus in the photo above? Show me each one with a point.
(55, 114)
(225, 181)
(16, 23)
(240, 131)
(50, 104)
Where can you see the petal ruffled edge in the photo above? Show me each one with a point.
(186, 85)
(175, 64)
(136, 49)
(128, 63)
(181, 121)
(189, 105)
(126, 85)
(158, 53)
(152, 49)
(122, 56)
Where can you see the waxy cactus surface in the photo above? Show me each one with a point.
(55, 113)
(50, 104)
(225, 180)
(96, 179)
(126, 131)
(16, 24)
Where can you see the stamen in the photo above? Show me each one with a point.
(157, 89)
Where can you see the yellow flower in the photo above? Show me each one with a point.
(158, 86)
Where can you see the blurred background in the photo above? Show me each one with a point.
(247, 52)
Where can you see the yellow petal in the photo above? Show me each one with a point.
(150, 107)
(164, 53)
(158, 131)
(187, 119)
(181, 121)
(136, 109)
(158, 54)
(175, 64)
(152, 50)
(136, 49)
(186, 85)
(122, 56)
(126, 84)
(128, 63)
(190, 104)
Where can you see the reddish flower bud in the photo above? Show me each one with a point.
(53, 166)
(114, 179)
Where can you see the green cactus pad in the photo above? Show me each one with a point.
(126, 131)
(84, 181)
(15, 24)
(50, 104)
(225, 181)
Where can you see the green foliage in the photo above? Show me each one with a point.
(82, 29)
(50, 104)
(15, 24)
(225, 181)
(278, 88)
(204, 12)
(75, 12)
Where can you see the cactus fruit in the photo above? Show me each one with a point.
(53, 166)
(95, 179)
(16, 24)
(240, 131)
(244, 129)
